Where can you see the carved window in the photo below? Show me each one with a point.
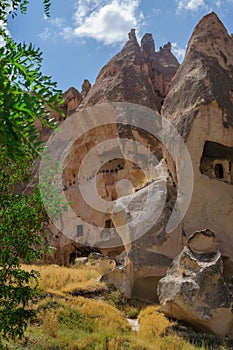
(216, 162)
(79, 230)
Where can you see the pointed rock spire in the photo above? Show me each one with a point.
(136, 74)
(210, 38)
(132, 35)
(205, 75)
(147, 44)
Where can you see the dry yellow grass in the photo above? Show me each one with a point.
(77, 323)
(152, 322)
(62, 280)
(151, 335)
(80, 323)
(69, 322)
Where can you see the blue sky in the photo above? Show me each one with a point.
(82, 35)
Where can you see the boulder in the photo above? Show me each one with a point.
(105, 265)
(149, 249)
(81, 261)
(194, 289)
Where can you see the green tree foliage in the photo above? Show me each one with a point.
(25, 95)
(24, 92)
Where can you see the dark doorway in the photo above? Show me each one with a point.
(218, 170)
(109, 224)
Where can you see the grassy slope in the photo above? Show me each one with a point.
(67, 321)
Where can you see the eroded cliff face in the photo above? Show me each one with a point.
(200, 105)
(135, 181)
(117, 177)
(137, 74)
(72, 99)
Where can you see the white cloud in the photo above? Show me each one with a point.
(67, 33)
(46, 34)
(107, 21)
(3, 26)
(57, 22)
(52, 24)
(191, 5)
(178, 52)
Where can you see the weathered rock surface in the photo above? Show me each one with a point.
(136, 74)
(105, 265)
(199, 102)
(115, 178)
(63, 250)
(205, 75)
(119, 179)
(81, 261)
(194, 289)
(72, 99)
(149, 249)
(200, 105)
(85, 88)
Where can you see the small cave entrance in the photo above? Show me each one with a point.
(73, 256)
(216, 162)
(81, 251)
(108, 224)
(219, 171)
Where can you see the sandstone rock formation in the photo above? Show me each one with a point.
(201, 108)
(200, 105)
(199, 102)
(113, 175)
(194, 289)
(72, 99)
(63, 250)
(150, 250)
(136, 74)
(133, 181)
(105, 264)
(85, 88)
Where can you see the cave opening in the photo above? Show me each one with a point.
(216, 162)
(108, 224)
(219, 171)
(75, 254)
